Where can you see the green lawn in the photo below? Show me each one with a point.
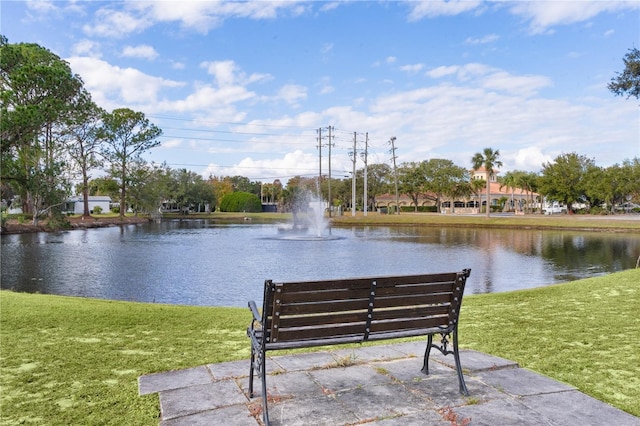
(67, 360)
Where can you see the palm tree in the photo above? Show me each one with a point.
(489, 159)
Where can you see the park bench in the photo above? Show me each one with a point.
(318, 313)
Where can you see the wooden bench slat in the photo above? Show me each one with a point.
(325, 296)
(328, 331)
(365, 282)
(319, 295)
(409, 324)
(318, 308)
(289, 321)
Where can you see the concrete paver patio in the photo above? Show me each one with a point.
(378, 385)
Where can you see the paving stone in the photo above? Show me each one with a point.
(236, 415)
(227, 370)
(319, 412)
(195, 399)
(176, 379)
(297, 383)
(371, 353)
(412, 348)
(478, 361)
(573, 408)
(444, 390)
(340, 379)
(503, 412)
(521, 382)
(410, 369)
(369, 402)
(430, 418)
(304, 361)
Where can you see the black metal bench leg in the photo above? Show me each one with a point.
(265, 412)
(427, 352)
(252, 366)
(456, 354)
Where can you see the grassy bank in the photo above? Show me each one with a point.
(621, 223)
(76, 361)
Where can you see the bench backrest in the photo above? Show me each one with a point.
(312, 313)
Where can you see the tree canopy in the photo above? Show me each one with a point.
(628, 81)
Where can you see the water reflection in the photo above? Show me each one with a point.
(204, 263)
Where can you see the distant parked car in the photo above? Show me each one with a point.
(554, 208)
(629, 207)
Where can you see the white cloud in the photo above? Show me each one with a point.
(480, 75)
(113, 86)
(490, 38)
(412, 69)
(178, 65)
(296, 163)
(435, 8)
(87, 48)
(545, 14)
(115, 23)
(227, 73)
(198, 16)
(292, 93)
(442, 71)
(142, 51)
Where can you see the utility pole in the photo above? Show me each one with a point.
(364, 157)
(330, 170)
(395, 171)
(353, 177)
(319, 194)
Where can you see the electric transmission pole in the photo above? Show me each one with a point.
(364, 157)
(319, 194)
(395, 171)
(354, 157)
(330, 128)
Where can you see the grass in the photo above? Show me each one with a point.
(535, 221)
(66, 360)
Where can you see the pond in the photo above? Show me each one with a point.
(200, 262)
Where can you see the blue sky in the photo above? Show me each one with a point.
(241, 88)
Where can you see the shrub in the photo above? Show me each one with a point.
(97, 210)
(240, 202)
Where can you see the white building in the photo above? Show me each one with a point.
(75, 205)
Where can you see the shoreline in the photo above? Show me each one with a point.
(581, 223)
(14, 227)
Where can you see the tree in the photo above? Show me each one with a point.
(564, 179)
(489, 159)
(511, 180)
(411, 182)
(443, 177)
(37, 90)
(127, 134)
(379, 181)
(629, 81)
(83, 140)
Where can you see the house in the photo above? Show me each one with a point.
(75, 205)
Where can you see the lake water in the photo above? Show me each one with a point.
(200, 262)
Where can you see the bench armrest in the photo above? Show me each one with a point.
(254, 311)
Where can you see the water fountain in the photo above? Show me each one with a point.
(309, 221)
